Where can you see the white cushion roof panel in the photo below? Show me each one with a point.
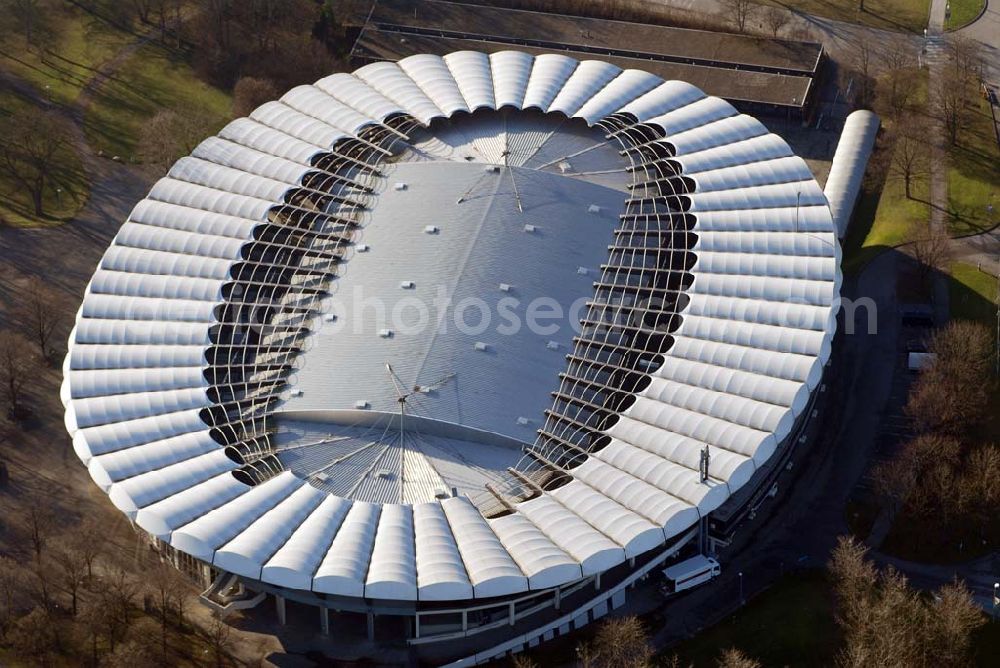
(393, 83)
(204, 534)
(490, 567)
(294, 563)
(353, 92)
(230, 154)
(247, 553)
(258, 136)
(102, 382)
(315, 102)
(441, 574)
(392, 568)
(590, 77)
(434, 78)
(665, 97)
(545, 564)
(511, 71)
(345, 565)
(549, 73)
(633, 532)
(162, 517)
(474, 76)
(154, 456)
(126, 258)
(625, 87)
(144, 489)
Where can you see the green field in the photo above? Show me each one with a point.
(905, 15)
(972, 294)
(70, 46)
(791, 624)
(963, 12)
(885, 220)
(974, 174)
(150, 80)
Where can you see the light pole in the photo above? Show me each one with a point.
(741, 589)
(996, 598)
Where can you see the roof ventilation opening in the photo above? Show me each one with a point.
(400, 186)
(593, 208)
(505, 287)
(552, 345)
(522, 421)
(362, 248)
(481, 347)
(431, 229)
(583, 271)
(384, 474)
(493, 169)
(529, 228)
(321, 477)
(407, 285)
(564, 166)
(361, 404)
(295, 393)
(385, 333)
(330, 317)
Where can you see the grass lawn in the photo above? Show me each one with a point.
(972, 294)
(791, 624)
(886, 219)
(75, 43)
(15, 205)
(963, 12)
(974, 174)
(150, 80)
(906, 15)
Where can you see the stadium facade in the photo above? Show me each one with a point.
(311, 364)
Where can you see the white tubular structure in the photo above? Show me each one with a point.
(167, 432)
(848, 169)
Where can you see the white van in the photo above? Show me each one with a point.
(690, 573)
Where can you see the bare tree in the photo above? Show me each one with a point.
(15, 370)
(899, 61)
(523, 661)
(251, 92)
(910, 155)
(87, 540)
(163, 583)
(952, 394)
(40, 523)
(219, 641)
(932, 250)
(953, 96)
(619, 642)
(11, 587)
(862, 62)
(775, 18)
(32, 149)
(740, 12)
(880, 615)
(967, 56)
(169, 134)
(734, 658)
(119, 595)
(954, 617)
(71, 570)
(34, 636)
(42, 311)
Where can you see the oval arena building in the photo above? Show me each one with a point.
(455, 349)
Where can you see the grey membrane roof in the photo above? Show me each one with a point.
(191, 331)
